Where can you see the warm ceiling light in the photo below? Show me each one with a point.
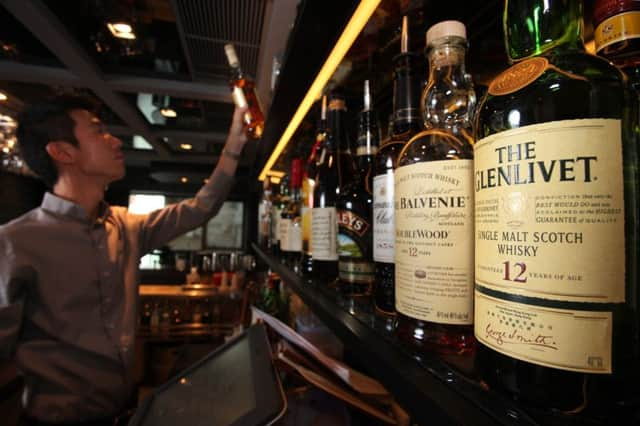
(3, 97)
(274, 179)
(184, 179)
(357, 22)
(121, 30)
(276, 173)
(186, 146)
(206, 180)
(168, 112)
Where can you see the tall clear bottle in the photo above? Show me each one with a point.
(244, 95)
(334, 170)
(355, 232)
(404, 123)
(556, 221)
(434, 206)
(308, 187)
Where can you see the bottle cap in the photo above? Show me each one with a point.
(446, 29)
(296, 173)
(232, 57)
(367, 96)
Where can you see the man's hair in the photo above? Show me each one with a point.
(45, 122)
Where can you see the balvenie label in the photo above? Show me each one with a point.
(434, 241)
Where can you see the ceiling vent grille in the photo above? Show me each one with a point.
(209, 24)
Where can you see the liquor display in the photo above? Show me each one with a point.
(291, 220)
(404, 123)
(244, 95)
(617, 35)
(354, 208)
(556, 221)
(434, 206)
(334, 170)
(308, 187)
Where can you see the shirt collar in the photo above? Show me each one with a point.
(57, 205)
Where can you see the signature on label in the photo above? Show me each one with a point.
(519, 337)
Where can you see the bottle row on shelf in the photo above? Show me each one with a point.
(505, 229)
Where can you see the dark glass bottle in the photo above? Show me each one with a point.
(405, 122)
(556, 221)
(434, 206)
(355, 233)
(617, 35)
(308, 187)
(279, 204)
(291, 220)
(335, 169)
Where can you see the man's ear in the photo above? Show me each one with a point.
(61, 152)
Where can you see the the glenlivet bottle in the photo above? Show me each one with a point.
(556, 195)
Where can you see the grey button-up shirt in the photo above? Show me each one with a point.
(68, 298)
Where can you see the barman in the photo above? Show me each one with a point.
(69, 268)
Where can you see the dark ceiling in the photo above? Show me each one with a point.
(176, 60)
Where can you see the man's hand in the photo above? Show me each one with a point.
(237, 137)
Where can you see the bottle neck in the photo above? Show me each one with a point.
(449, 98)
(338, 138)
(535, 27)
(406, 93)
(236, 73)
(368, 134)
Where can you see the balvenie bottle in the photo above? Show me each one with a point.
(355, 233)
(291, 220)
(434, 206)
(334, 170)
(404, 123)
(308, 187)
(244, 95)
(556, 220)
(617, 35)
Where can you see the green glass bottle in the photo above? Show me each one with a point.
(556, 196)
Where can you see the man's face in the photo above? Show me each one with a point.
(98, 154)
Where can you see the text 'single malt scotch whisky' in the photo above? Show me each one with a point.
(556, 196)
(244, 95)
(334, 171)
(355, 233)
(308, 188)
(434, 206)
(404, 123)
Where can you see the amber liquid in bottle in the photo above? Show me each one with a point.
(244, 95)
(434, 207)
